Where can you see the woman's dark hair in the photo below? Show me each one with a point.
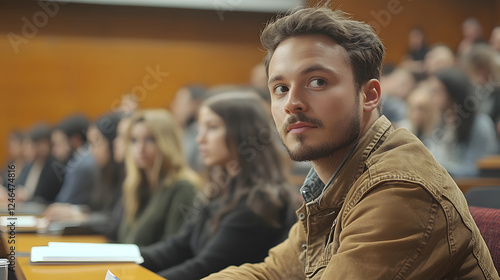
(249, 135)
(112, 174)
(459, 89)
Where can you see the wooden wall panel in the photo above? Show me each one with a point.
(84, 57)
(87, 57)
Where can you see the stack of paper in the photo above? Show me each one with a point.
(19, 221)
(86, 252)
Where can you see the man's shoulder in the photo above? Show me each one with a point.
(403, 153)
(403, 157)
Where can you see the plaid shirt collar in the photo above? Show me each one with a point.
(312, 187)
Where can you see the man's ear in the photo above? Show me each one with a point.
(371, 95)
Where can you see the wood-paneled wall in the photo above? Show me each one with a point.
(83, 58)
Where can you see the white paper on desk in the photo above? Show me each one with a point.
(19, 221)
(86, 252)
(110, 276)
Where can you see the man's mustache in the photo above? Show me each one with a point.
(300, 117)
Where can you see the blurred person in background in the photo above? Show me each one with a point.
(107, 192)
(248, 207)
(421, 117)
(438, 57)
(397, 85)
(495, 39)
(184, 108)
(464, 135)
(482, 64)
(417, 49)
(472, 33)
(159, 185)
(15, 159)
(258, 77)
(42, 183)
(79, 169)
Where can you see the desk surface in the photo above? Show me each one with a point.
(489, 162)
(28, 271)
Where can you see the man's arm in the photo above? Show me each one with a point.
(397, 231)
(282, 262)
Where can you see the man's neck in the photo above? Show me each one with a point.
(325, 167)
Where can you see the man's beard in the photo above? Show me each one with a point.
(350, 126)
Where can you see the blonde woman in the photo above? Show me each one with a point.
(159, 185)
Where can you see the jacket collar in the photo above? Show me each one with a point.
(314, 191)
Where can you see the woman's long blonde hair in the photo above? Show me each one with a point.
(169, 165)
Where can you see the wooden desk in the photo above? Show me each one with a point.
(466, 183)
(489, 166)
(27, 271)
(489, 162)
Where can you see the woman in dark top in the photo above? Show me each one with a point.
(247, 202)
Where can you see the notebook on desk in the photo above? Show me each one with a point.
(24, 224)
(25, 208)
(70, 252)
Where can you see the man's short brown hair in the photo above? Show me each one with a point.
(364, 49)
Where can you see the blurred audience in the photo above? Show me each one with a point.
(15, 158)
(249, 207)
(482, 64)
(417, 49)
(495, 39)
(258, 77)
(41, 183)
(422, 116)
(438, 57)
(472, 33)
(396, 86)
(464, 135)
(159, 185)
(106, 193)
(79, 169)
(184, 108)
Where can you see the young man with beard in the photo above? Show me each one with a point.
(377, 205)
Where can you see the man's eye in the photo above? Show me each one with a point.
(280, 90)
(317, 83)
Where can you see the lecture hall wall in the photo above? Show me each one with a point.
(84, 58)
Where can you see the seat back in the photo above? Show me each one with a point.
(488, 197)
(488, 222)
